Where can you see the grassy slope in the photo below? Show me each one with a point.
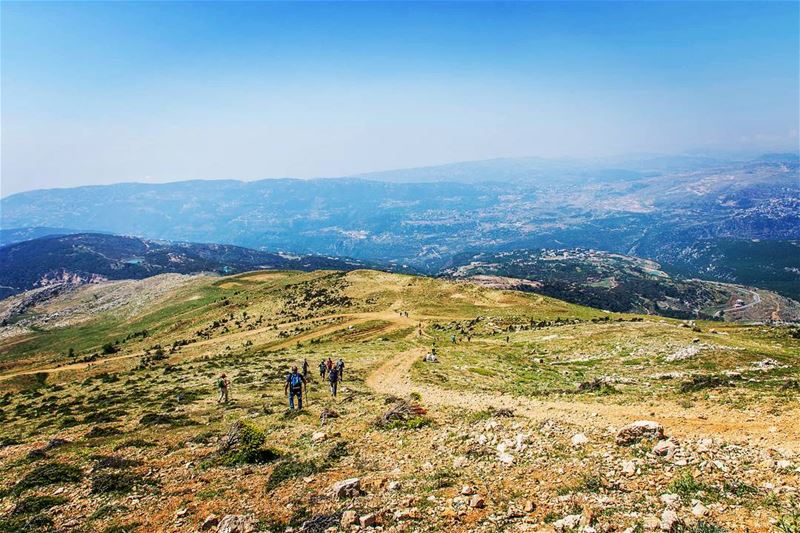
(355, 316)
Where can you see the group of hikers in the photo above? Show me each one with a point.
(295, 383)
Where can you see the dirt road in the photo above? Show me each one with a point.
(394, 377)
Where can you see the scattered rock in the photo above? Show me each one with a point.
(579, 439)
(651, 523)
(318, 436)
(467, 490)
(236, 523)
(211, 520)
(699, 510)
(406, 514)
(529, 507)
(670, 500)
(629, 468)
(348, 519)
(477, 501)
(665, 448)
(641, 429)
(567, 523)
(669, 520)
(368, 520)
(347, 488)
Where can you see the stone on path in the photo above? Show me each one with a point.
(641, 429)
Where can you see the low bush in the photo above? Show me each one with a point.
(37, 504)
(48, 474)
(290, 469)
(114, 482)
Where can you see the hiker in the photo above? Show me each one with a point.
(295, 383)
(453, 339)
(333, 379)
(222, 384)
(322, 369)
(305, 368)
(329, 364)
(340, 368)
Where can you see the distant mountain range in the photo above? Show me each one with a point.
(735, 221)
(598, 279)
(82, 258)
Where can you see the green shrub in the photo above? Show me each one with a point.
(102, 431)
(687, 487)
(114, 482)
(48, 474)
(160, 419)
(26, 524)
(37, 504)
(248, 447)
(290, 469)
(789, 523)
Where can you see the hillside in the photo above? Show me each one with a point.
(660, 208)
(85, 257)
(620, 283)
(110, 420)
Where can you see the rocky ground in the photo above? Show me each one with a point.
(515, 427)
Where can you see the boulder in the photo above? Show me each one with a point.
(477, 501)
(347, 488)
(699, 510)
(629, 468)
(641, 429)
(665, 448)
(368, 520)
(567, 523)
(579, 439)
(210, 521)
(348, 519)
(406, 514)
(669, 520)
(237, 523)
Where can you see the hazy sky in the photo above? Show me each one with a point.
(108, 92)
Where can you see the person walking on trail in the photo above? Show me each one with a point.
(333, 379)
(329, 364)
(305, 368)
(340, 368)
(222, 385)
(453, 339)
(322, 369)
(294, 386)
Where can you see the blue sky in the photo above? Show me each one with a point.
(108, 92)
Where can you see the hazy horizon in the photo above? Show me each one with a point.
(102, 93)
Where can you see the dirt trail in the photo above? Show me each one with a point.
(393, 377)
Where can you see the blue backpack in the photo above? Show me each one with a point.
(295, 380)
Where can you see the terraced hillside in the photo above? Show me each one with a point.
(110, 420)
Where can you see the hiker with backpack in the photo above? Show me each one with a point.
(222, 384)
(294, 386)
(322, 369)
(340, 368)
(333, 379)
(305, 368)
